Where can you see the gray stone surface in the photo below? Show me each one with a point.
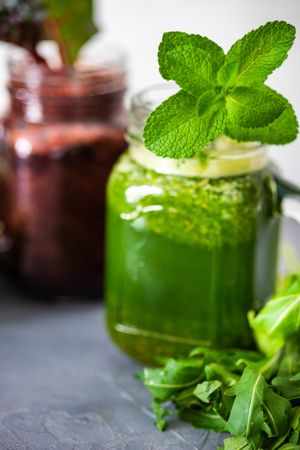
(64, 386)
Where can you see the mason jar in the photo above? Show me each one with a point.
(192, 244)
(63, 132)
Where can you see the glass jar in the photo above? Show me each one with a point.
(63, 132)
(191, 246)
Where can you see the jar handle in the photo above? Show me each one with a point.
(289, 194)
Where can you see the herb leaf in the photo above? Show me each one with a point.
(205, 390)
(192, 69)
(176, 130)
(160, 414)
(253, 107)
(176, 375)
(174, 40)
(278, 319)
(259, 53)
(283, 130)
(246, 417)
(200, 418)
(237, 443)
(276, 410)
(251, 112)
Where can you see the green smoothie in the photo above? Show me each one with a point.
(187, 257)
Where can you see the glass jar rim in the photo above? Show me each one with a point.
(226, 156)
(102, 70)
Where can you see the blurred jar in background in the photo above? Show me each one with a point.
(64, 131)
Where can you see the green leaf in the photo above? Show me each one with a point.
(276, 410)
(237, 443)
(253, 107)
(175, 376)
(294, 418)
(289, 447)
(191, 68)
(258, 53)
(290, 389)
(283, 130)
(175, 39)
(70, 24)
(206, 389)
(160, 414)
(175, 129)
(200, 418)
(278, 319)
(246, 417)
(210, 101)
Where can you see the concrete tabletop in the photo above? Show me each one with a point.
(65, 386)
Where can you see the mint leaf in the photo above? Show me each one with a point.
(176, 130)
(253, 107)
(192, 68)
(228, 91)
(283, 130)
(210, 100)
(258, 53)
(174, 39)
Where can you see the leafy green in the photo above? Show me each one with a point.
(278, 319)
(176, 129)
(253, 396)
(206, 389)
(260, 52)
(26, 22)
(253, 107)
(246, 417)
(221, 94)
(70, 24)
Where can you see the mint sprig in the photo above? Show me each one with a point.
(221, 94)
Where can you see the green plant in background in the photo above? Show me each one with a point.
(254, 395)
(26, 22)
(221, 94)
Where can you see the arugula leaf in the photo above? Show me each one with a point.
(174, 40)
(253, 107)
(290, 389)
(200, 418)
(258, 53)
(175, 376)
(160, 414)
(176, 130)
(278, 319)
(276, 410)
(206, 389)
(289, 447)
(237, 443)
(246, 417)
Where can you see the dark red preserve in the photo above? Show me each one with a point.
(63, 133)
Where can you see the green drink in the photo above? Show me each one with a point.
(191, 247)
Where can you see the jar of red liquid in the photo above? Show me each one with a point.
(63, 132)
